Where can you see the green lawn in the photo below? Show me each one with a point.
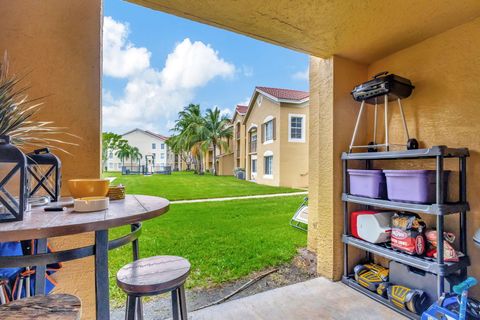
(186, 185)
(223, 240)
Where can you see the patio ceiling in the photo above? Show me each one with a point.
(359, 30)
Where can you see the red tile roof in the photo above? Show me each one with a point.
(157, 135)
(241, 109)
(286, 94)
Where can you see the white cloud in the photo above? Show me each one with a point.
(245, 102)
(121, 58)
(301, 75)
(247, 71)
(152, 98)
(226, 112)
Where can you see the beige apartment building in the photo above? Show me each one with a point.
(274, 133)
(239, 136)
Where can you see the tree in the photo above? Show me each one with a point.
(110, 142)
(134, 155)
(189, 134)
(123, 150)
(215, 132)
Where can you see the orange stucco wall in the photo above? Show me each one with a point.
(443, 110)
(58, 44)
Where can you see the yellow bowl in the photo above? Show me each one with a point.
(80, 188)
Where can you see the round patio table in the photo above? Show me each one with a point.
(41, 225)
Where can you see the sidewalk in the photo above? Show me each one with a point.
(318, 298)
(242, 197)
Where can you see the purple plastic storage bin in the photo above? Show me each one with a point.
(367, 183)
(415, 186)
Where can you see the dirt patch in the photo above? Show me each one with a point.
(302, 268)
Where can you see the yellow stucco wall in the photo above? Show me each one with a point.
(58, 43)
(293, 155)
(332, 117)
(226, 165)
(444, 108)
(239, 152)
(256, 116)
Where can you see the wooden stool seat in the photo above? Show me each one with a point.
(154, 275)
(50, 307)
(151, 276)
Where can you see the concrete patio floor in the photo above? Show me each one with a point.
(318, 298)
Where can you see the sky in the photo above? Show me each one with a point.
(155, 64)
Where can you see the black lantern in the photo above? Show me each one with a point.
(13, 181)
(44, 170)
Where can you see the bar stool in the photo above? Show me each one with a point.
(153, 276)
(50, 307)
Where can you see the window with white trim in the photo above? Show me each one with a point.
(269, 130)
(162, 146)
(268, 165)
(296, 128)
(154, 146)
(254, 165)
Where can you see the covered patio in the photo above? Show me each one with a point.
(435, 44)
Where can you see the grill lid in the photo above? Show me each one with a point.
(383, 83)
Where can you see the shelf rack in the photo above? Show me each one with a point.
(439, 209)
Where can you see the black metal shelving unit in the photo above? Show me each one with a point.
(439, 209)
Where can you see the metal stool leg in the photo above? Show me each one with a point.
(139, 308)
(183, 303)
(175, 305)
(130, 308)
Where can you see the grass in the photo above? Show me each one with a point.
(222, 240)
(187, 185)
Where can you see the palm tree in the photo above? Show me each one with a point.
(123, 150)
(134, 155)
(189, 127)
(215, 132)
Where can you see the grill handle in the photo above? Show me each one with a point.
(383, 73)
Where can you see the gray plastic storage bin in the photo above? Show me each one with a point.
(414, 278)
(416, 186)
(367, 183)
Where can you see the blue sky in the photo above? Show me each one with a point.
(155, 64)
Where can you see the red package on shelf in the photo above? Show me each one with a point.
(408, 233)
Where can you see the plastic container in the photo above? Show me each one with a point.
(367, 183)
(372, 226)
(415, 186)
(414, 278)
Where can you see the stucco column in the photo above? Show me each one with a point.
(57, 45)
(332, 118)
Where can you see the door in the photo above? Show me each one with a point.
(253, 166)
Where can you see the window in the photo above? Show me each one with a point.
(296, 130)
(268, 165)
(253, 141)
(110, 155)
(162, 156)
(162, 146)
(268, 131)
(154, 146)
(254, 165)
(110, 165)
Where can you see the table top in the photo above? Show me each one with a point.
(38, 224)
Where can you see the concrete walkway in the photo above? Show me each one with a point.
(243, 197)
(318, 298)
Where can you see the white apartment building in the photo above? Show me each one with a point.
(152, 146)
